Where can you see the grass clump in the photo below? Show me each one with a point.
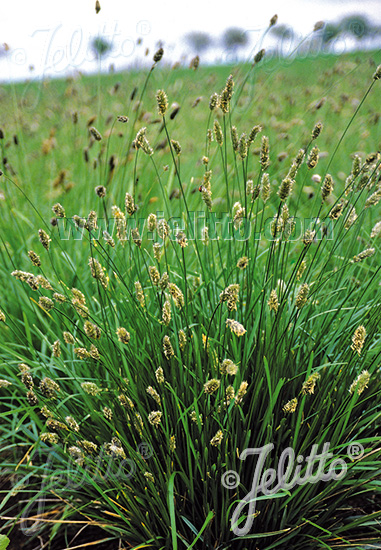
(210, 303)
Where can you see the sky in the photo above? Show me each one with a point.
(53, 37)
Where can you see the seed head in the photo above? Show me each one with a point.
(140, 294)
(301, 297)
(176, 294)
(153, 393)
(358, 339)
(327, 187)
(228, 367)
(56, 349)
(310, 383)
(217, 439)
(273, 302)
(154, 418)
(46, 303)
(241, 393)
(377, 74)
(98, 272)
(218, 133)
(285, 188)
(213, 102)
(166, 315)
(162, 102)
(49, 388)
(130, 204)
(44, 238)
(243, 262)
(158, 55)
(94, 132)
(176, 147)
(316, 130)
(159, 373)
(290, 406)
(264, 153)
(360, 383)
(259, 56)
(211, 386)
(122, 118)
(34, 258)
(235, 327)
(376, 230)
(230, 296)
(58, 210)
(123, 335)
(364, 254)
(167, 347)
(92, 331)
(91, 388)
(313, 157)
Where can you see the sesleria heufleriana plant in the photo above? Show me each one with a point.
(240, 316)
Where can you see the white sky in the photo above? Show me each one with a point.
(54, 36)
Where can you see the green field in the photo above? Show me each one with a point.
(142, 354)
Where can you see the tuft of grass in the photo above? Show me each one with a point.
(208, 285)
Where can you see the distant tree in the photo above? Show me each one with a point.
(234, 38)
(282, 31)
(199, 41)
(356, 25)
(100, 46)
(329, 32)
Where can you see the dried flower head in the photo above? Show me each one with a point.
(218, 133)
(154, 418)
(313, 157)
(49, 388)
(95, 134)
(265, 187)
(44, 238)
(98, 272)
(241, 393)
(211, 386)
(56, 349)
(290, 406)
(159, 373)
(358, 339)
(153, 393)
(162, 102)
(92, 330)
(45, 303)
(316, 130)
(177, 295)
(228, 367)
(34, 258)
(273, 302)
(58, 210)
(166, 314)
(235, 327)
(364, 254)
(91, 388)
(130, 204)
(301, 297)
(217, 439)
(213, 102)
(230, 296)
(360, 383)
(310, 383)
(264, 153)
(158, 55)
(327, 187)
(243, 262)
(167, 347)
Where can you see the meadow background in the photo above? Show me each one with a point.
(117, 351)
